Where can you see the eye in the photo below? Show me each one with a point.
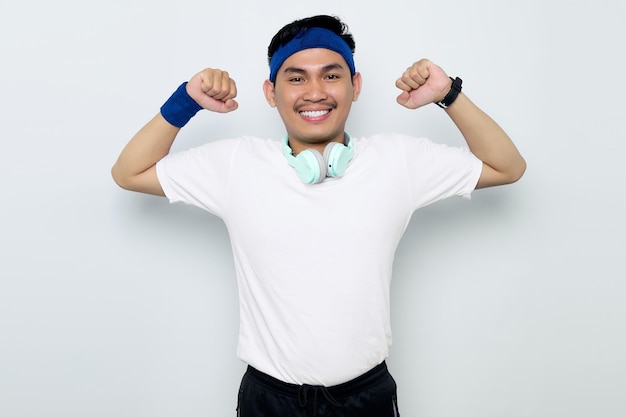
(332, 77)
(296, 80)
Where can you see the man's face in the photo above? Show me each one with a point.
(313, 93)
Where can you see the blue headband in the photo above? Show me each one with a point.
(311, 38)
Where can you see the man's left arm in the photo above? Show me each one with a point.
(424, 83)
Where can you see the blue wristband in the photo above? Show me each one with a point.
(180, 107)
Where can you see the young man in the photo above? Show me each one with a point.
(315, 219)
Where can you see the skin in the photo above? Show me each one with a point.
(424, 83)
(313, 94)
(135, 168)
(318, 80)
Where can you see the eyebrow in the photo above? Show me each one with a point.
(326, 68)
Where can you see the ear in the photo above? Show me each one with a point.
(268, 90)
(357, 83)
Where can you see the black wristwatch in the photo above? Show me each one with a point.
(452, 94)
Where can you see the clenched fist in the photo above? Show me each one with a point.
(214, 90)
(422, 83)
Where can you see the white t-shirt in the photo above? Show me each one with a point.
(314, 262)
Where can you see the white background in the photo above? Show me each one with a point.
(119, 304)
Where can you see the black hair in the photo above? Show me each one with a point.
(289, 31)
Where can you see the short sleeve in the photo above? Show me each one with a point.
(438, 171)
(199, 176)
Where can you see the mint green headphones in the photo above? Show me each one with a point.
(313, 167)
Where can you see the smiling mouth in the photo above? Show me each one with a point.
(313, 114)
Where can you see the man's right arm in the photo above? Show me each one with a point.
(135, 168)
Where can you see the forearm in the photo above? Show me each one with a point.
(488, 141)
(143, 151)
(135, 169)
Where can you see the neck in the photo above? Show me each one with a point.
(298, 146)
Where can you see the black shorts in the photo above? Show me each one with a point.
(372, 394)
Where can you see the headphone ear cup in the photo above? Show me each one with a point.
(337, 156)
(311, 167)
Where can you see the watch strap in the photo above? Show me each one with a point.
(455, 89)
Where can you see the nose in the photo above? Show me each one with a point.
(315, 91)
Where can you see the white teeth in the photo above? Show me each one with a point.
(317, 113)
